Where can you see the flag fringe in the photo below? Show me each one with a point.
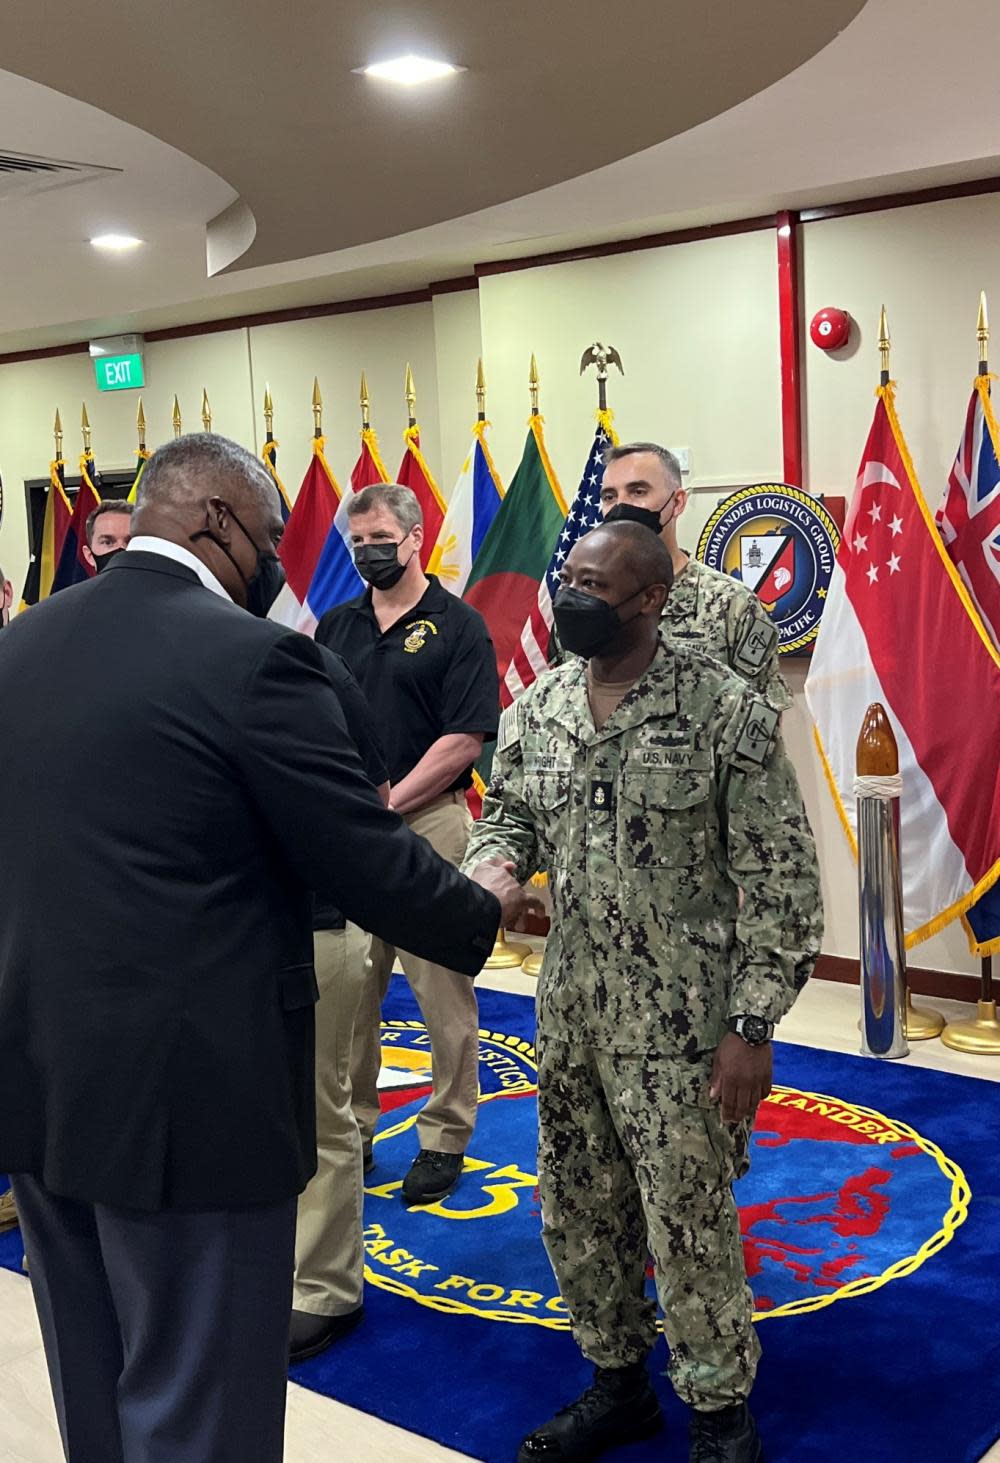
(536, 423)
(268, 455)
(318, 445)
(987, 947)
(606, 421)
(479, 431)
(412, 439)
(887, 396)
(369, 440)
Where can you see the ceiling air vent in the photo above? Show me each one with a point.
(22, 175)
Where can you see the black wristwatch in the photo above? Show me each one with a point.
(753, 1029)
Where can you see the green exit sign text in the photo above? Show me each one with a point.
(119, 373)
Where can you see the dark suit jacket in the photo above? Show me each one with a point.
(176, 778)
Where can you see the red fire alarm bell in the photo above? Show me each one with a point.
(830, 329)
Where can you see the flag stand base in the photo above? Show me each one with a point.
(980, 1035)
(532, 964)
(922, 1023)
(504, 956)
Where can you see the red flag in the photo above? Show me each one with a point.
(416, 475)
(305, 534)
(72, 567)
(899, 627)
(369, 468)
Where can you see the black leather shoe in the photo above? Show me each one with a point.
(308, 1335)
(618, 1407)
(432, 1176)
(729, 1436)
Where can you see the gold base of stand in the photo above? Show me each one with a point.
(922, 1024)
(532, 965)
(981, 1034)
(504, 956)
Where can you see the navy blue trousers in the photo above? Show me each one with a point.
(166, 1335)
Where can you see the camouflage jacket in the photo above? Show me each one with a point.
(717, 614)
(648, 829)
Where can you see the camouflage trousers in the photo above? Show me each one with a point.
(634, 1160)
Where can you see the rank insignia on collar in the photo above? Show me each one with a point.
(601, 796)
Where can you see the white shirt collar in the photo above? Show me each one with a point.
(148, 543)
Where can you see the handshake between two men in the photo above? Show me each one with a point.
(519, 909)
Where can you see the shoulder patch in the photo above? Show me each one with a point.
(508, 732)
(755, 644)
(758, 731)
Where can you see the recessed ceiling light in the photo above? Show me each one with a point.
(410, 70)
(115, 242)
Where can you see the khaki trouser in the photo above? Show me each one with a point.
(633, 1155)
(329, 1261)
(447, 1002)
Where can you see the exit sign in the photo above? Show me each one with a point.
(119, 373)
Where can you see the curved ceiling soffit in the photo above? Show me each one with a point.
(323, 159)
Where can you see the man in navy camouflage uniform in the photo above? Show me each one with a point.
(652, 785)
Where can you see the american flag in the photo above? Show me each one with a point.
(531, 657)
(969, 515)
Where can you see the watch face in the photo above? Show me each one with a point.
(755, 1029)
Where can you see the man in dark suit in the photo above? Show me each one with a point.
(157, 1107)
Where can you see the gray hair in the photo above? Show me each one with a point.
(399, 501)
(629, 449)
(178, 470)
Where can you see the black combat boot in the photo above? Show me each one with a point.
(619, 1406)
(728, 1436)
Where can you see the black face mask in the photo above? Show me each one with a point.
(586, 624)
(103, 560)
(378, 564)
(632, 513)
(264, 584)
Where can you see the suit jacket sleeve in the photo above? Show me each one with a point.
(328, 823)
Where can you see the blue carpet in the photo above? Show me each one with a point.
(874, 1276)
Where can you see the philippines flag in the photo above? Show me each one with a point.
(335, 579)
(969, 520)
(305, 534)
(531, 657)
(899, 628)
(473, 507)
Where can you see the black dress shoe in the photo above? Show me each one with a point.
(308, 1335)
(618, 1407)
(432, 1176)
(729, 1436)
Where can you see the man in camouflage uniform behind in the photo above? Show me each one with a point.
(705, 610)
(651, 784)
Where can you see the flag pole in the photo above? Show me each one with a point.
(85, 428)
(58, 433)
(176, 417)
(366, 405)
(480, 392)
(982, 1033)
(206, 411)
(533, 384)
(880, 890)
(410, 392)
(317, 406)
(140, 426)
(884, 346)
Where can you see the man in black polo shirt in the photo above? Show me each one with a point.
(329, 1259)
(426, 664)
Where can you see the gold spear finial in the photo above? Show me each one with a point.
(884, 344)
(533, 385)
(983, 334)
(317, 409)
(206, 410)
(268, 411)
(411, 395)
(481, 390)
(140, 425)
(366, 405)
(58, 433)
(85, 425)
(176, 417)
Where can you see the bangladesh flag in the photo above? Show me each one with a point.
(515, 553)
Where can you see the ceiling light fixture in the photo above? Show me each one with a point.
(117, 243)
(410, 70)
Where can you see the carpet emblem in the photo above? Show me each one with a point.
(840, 1199)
